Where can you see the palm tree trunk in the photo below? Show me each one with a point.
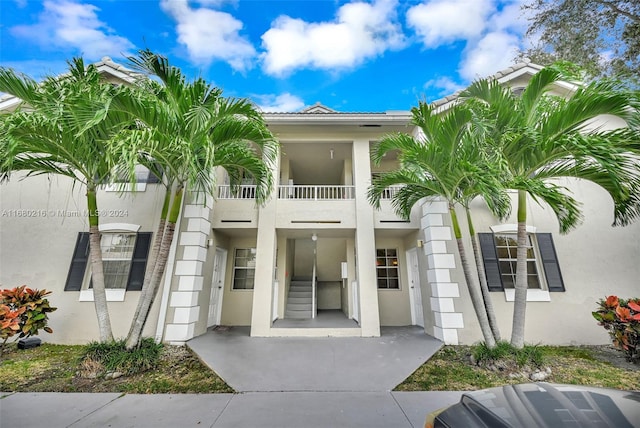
(520, 300)
(97, 271)
(476, 297)
(137, 323)
(147, 300)
(484, 287)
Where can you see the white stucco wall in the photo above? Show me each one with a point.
(37, 242)
(595, 259)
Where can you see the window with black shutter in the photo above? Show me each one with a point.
(124, 258)
(78, 263)
(499, 258)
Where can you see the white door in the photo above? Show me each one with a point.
(415, 293)
(217, 282)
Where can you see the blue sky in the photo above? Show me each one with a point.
(356, 56)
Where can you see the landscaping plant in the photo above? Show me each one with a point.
(23, 311)
(621, 318)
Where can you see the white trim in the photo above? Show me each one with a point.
(533, 295)
(118, 227)
(113, 295)
(511, 228)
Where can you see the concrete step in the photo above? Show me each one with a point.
(298, 306)
(306, 294)
(299, 300)
(298, 314)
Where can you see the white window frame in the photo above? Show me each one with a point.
(533, 294)
(113, 294)
(387, 266)
(247, 268)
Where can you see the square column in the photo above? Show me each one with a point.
(365, 242)
(441, 262)
(261, 310)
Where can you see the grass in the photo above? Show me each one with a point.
(60, 368)
(452, 369)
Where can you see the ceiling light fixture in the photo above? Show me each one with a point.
(314, 237)
(331, 153)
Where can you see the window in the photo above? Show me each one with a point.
(143, 175)
(499, 256)
(244, 268)
(506, 248)
(387, 269)
(120, 183)
(124, 258)
(117, 253)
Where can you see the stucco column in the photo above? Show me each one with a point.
(265, 263)
(365, 242)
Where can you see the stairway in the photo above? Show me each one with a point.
(299, 299)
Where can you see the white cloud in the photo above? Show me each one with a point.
(447, 85)
(67, 24)
(511, 18)
(439, 22)
(279, 103)
(210, 35)
(360, 31)
(494, 52)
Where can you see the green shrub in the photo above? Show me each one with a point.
(504, 351)
(621, 318)
(114, 357)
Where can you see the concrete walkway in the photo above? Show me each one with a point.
(283, 382)
(268, 410)
(347, 364)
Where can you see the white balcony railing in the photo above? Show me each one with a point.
(390, 192)
(315, 193)
(245, 191)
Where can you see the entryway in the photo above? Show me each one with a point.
(315, 364)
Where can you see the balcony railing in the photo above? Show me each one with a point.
(315, 193)
(390, 192)
(245, 191)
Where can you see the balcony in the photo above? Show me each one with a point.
(316, 193)
(245, 191)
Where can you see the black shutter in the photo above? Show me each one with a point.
(139, 261)
(78, 263)
(550, 262)
(490, 257)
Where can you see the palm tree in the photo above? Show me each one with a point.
(186, 130)
(445, 162)
(540, 137)
(64, 127)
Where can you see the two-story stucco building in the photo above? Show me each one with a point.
(317, 259)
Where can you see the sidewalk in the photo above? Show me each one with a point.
(254, 409)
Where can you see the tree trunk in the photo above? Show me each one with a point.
(520, 300)
(137, 322)
(97, 271)
(146, 301)
(484, 287)
(474, 293)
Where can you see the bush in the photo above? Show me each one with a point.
(23, 311)
(505, 352)
(621, 318)
(114, 357)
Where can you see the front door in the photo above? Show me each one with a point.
(215, 300)
(415, 294)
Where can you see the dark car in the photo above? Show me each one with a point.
(541, 405)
